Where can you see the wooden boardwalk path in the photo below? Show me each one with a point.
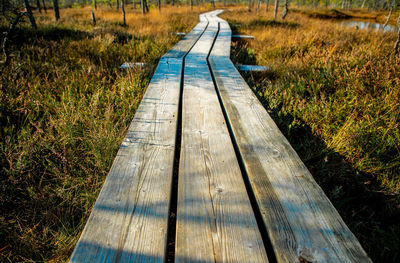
(243, 193)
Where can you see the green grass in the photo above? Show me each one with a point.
(335, 94)
(64, 108)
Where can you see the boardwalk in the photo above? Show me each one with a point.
(243, 194)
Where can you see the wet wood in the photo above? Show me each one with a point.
(215, 221)
(302, 224)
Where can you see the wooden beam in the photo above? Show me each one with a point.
(215, 221)
(130, 218)
(242, 36)
(302, 224)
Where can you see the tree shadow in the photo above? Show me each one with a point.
(24, 34)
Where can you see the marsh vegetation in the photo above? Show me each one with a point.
(65, 107)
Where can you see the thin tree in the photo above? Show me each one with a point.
(3, 6)
(56, 10)
(95, 4)
(286, 11)
(213, 3)
(109, 3)
(276, 8)
(396, 45)
(7, 36)
(249, 5)
(93, 18)
(159, 5)
(145, 7)
(117, 4)
(266, 5)
(44, 6)
(123, 11)
(390, 14)
(38, 6)
(191, 5)
(29, 14)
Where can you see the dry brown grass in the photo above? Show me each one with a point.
(64, 107)
(334, 92)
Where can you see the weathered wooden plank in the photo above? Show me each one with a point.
(302, 224)
(130, 218)
(215, 221)
(243, 36)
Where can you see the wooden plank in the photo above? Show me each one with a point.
(253, 68)
(130, 218)
(183, 46)
(215, 221)
(302, 224)
(243, 36)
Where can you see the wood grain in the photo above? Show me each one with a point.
(302, 224)
(130, 217)
(215, 221)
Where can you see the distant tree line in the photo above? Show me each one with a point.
(14, 10)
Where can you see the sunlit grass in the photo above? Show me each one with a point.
(64, 109)
(335, 94)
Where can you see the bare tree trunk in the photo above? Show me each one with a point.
(173, 2)
(3, 6)
(56, 10)
(362, 6)
(249, 5)
(38, 6)
(286, 11)
(109, 3)
(29, 14)
(145, 8)
(7, 37)
(44, 6)
(396, 45)
(123, 11)
(326, 3)
(117, 5)
(191, 4)
(159, 5)
(93, 18)
(266, 6)
(213, 3)
(95, 4)
(390, 14)
(276, 8)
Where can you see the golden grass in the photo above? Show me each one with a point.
(334, 92)
(64, 107)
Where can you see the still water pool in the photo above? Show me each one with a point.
(368, 25)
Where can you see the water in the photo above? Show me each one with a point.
(368, 25)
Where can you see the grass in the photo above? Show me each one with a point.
(334, 92)
(358, 14)
(64, 107)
